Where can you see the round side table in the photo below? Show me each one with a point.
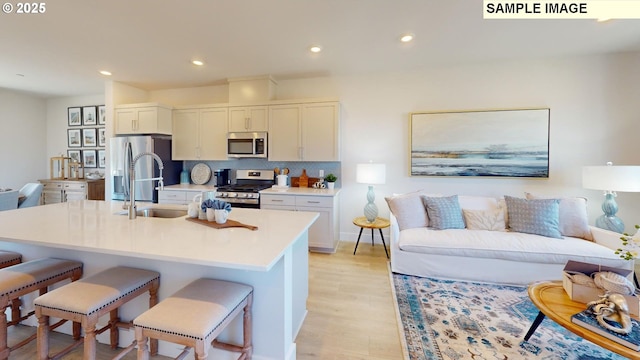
(379, 223)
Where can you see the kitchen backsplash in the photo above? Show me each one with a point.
(295, 167)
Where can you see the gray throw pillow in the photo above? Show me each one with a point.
(444, 212)
(536, 216)
(409, 210)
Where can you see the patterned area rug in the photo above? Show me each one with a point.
(445, 319)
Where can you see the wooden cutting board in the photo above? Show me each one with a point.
(295, 181)
(230, 223)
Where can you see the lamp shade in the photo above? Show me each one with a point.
(611, 178)
(370, 173)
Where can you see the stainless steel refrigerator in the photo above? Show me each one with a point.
(124, 149)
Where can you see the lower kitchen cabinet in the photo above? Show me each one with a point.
(177, 197)
(324, 233)
(57, 191)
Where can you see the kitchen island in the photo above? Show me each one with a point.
(273, 259)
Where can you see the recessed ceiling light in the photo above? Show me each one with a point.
(197, 62)
(315, 49)
(105, 72)
(603, 19)
(406, 38)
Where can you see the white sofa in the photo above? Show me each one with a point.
(496, 256)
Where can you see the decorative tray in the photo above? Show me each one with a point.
(200, 174)
(230, 223)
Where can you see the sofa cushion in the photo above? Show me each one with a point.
(539, 216)
(505, 245)
(484, 219)
(573, 219)
(409, 210)
(444, 212)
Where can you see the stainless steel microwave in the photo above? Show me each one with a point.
(247, 144)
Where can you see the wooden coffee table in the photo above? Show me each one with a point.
(552, 301)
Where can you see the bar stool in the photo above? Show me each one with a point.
(86, 300)
(25, 278)
(8, 258)
(195, 315)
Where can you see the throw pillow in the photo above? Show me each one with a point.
(574, 220)
(538, 216)
(444, 212)
(484, 219)
(409, 210)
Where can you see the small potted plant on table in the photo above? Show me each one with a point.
(331, 180)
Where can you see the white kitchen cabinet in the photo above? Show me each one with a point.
(324, 233)
(200, 134)
(142, 119)
(249, 118)
(304, 132)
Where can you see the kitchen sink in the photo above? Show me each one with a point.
(158, 213)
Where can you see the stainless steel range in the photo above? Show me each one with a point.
(244, 193)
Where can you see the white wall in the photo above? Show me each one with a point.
(23, 139)
(594, 118)
(57, 122)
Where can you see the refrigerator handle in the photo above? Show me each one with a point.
(127, 153)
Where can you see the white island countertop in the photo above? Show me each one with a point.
(96, 227)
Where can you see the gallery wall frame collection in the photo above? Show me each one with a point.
(86, 136)
(501, 143)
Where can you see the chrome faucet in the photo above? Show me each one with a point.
(132, 180)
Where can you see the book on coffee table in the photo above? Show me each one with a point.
(587, 319)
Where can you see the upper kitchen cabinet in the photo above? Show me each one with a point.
(304, 132)
(143, 119)
(248, 118)
(200, 133)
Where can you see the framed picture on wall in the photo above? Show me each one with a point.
(102, 137)
(89, 116)
(74, 116)
(74, 138)
(89, 158)
(89, 137)
(101, 158)
(102, 115)
(75, 155)
(508, 143)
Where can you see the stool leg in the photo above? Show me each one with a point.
(371, 236)
(114, 334)
(247, 347)
(153, 301)
(357, 242)
(4, 351)
(15, 309)
(90, 342)
(42, 336)
(201, 350)
(143, 350)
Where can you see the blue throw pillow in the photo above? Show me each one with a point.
(444, 212)
(539, 216)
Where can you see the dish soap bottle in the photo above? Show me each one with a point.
(184, 176)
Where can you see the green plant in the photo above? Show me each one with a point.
(330, 178)
(631, 245)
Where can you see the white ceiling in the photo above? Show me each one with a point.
(150, 43)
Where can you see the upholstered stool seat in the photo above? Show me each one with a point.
(24, 278)
(195, 315)
(86, 300)
(8, 258)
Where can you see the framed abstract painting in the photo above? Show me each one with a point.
(508, 143)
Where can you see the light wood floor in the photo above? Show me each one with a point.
(351, 312)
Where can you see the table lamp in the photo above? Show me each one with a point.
(611, 179)
(370, 174)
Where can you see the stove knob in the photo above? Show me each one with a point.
(232, 195)
(221, 195)
(242, 195)
(254, 196)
